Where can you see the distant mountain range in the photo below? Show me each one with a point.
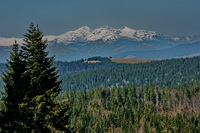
(117, 43)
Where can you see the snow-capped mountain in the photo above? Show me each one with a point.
(138, 35)
(109, 35)
(118, 43)
(86, 34)
(72, 36)
(106, 34)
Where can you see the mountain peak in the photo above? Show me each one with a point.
(127, 28)
(71, 36)
(83, 28)
(105, 33)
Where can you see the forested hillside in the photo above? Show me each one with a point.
(134, 109)
(88, 74)
(83, 65)
(172, 72)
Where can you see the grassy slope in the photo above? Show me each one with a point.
(134, 61)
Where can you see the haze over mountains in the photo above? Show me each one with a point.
(117, 43)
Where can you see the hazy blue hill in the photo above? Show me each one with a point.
(177, 51)
(76, 51)
(120, 49)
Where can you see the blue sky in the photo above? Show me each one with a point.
(173, 17)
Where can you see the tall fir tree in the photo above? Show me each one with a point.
(42, 112)
(15, 85)
(31, 86)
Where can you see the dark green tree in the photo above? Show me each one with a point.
(31, 86)
(15, 85)
(42, 113)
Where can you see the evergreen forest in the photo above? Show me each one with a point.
(175, 73)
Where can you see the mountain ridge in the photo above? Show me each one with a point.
(107, 41)
(107, 34)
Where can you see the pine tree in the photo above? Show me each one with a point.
(42, 113)
(31, 86)
(14, 90)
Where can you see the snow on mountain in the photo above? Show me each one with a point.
(85, 34)
(49, 37)
(106, 34)
(128, 32)
(138, 35)
(71, 36)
